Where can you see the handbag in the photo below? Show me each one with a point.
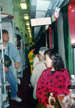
(7, 60)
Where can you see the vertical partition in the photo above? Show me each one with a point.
(71, 16)
(7, 6)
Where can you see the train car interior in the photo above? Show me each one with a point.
(34, 23)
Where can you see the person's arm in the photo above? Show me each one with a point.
(41, 90)
(63, 83)
(50, 99)
(34, 75)
(6, 69)
(15, 54)
(67, 78)
(35, 61)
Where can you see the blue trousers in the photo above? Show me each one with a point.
(12, 81)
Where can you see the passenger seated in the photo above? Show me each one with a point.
(53, 81)
(40, 66)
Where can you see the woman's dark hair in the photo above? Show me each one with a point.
(58, 63)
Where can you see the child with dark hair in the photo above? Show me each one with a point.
(54, 80)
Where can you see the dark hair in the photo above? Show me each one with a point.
(36, 51)
(26, 44)
(58, 63)
(4, 31)
(31, 48)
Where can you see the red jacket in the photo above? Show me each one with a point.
(57, 84)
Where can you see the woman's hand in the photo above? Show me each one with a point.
(49, 101)
(50, 106)
(51, 98)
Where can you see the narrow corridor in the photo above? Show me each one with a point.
(24, 92)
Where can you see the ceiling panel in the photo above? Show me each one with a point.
(42, 5)
(44, 8)
(40, 14)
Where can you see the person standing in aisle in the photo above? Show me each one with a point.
(12, 52)
(30, 57)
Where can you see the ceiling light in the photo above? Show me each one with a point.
(23, 5)
(27, 23)
(28, 28)
(26, 17)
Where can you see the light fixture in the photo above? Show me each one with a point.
(28, 28)
(26, 17)
(41, 21)
(23, 5)
(27, 23)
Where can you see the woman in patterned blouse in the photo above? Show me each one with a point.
(54, 80)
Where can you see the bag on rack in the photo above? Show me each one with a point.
(7, 61)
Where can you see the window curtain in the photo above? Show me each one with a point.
(67, 40)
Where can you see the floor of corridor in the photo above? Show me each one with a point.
(24, 92)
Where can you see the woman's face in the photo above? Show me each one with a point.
(48, 61)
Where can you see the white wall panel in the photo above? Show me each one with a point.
(7, 6)
(61, 47)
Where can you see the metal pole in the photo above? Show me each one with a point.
(2, 76)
